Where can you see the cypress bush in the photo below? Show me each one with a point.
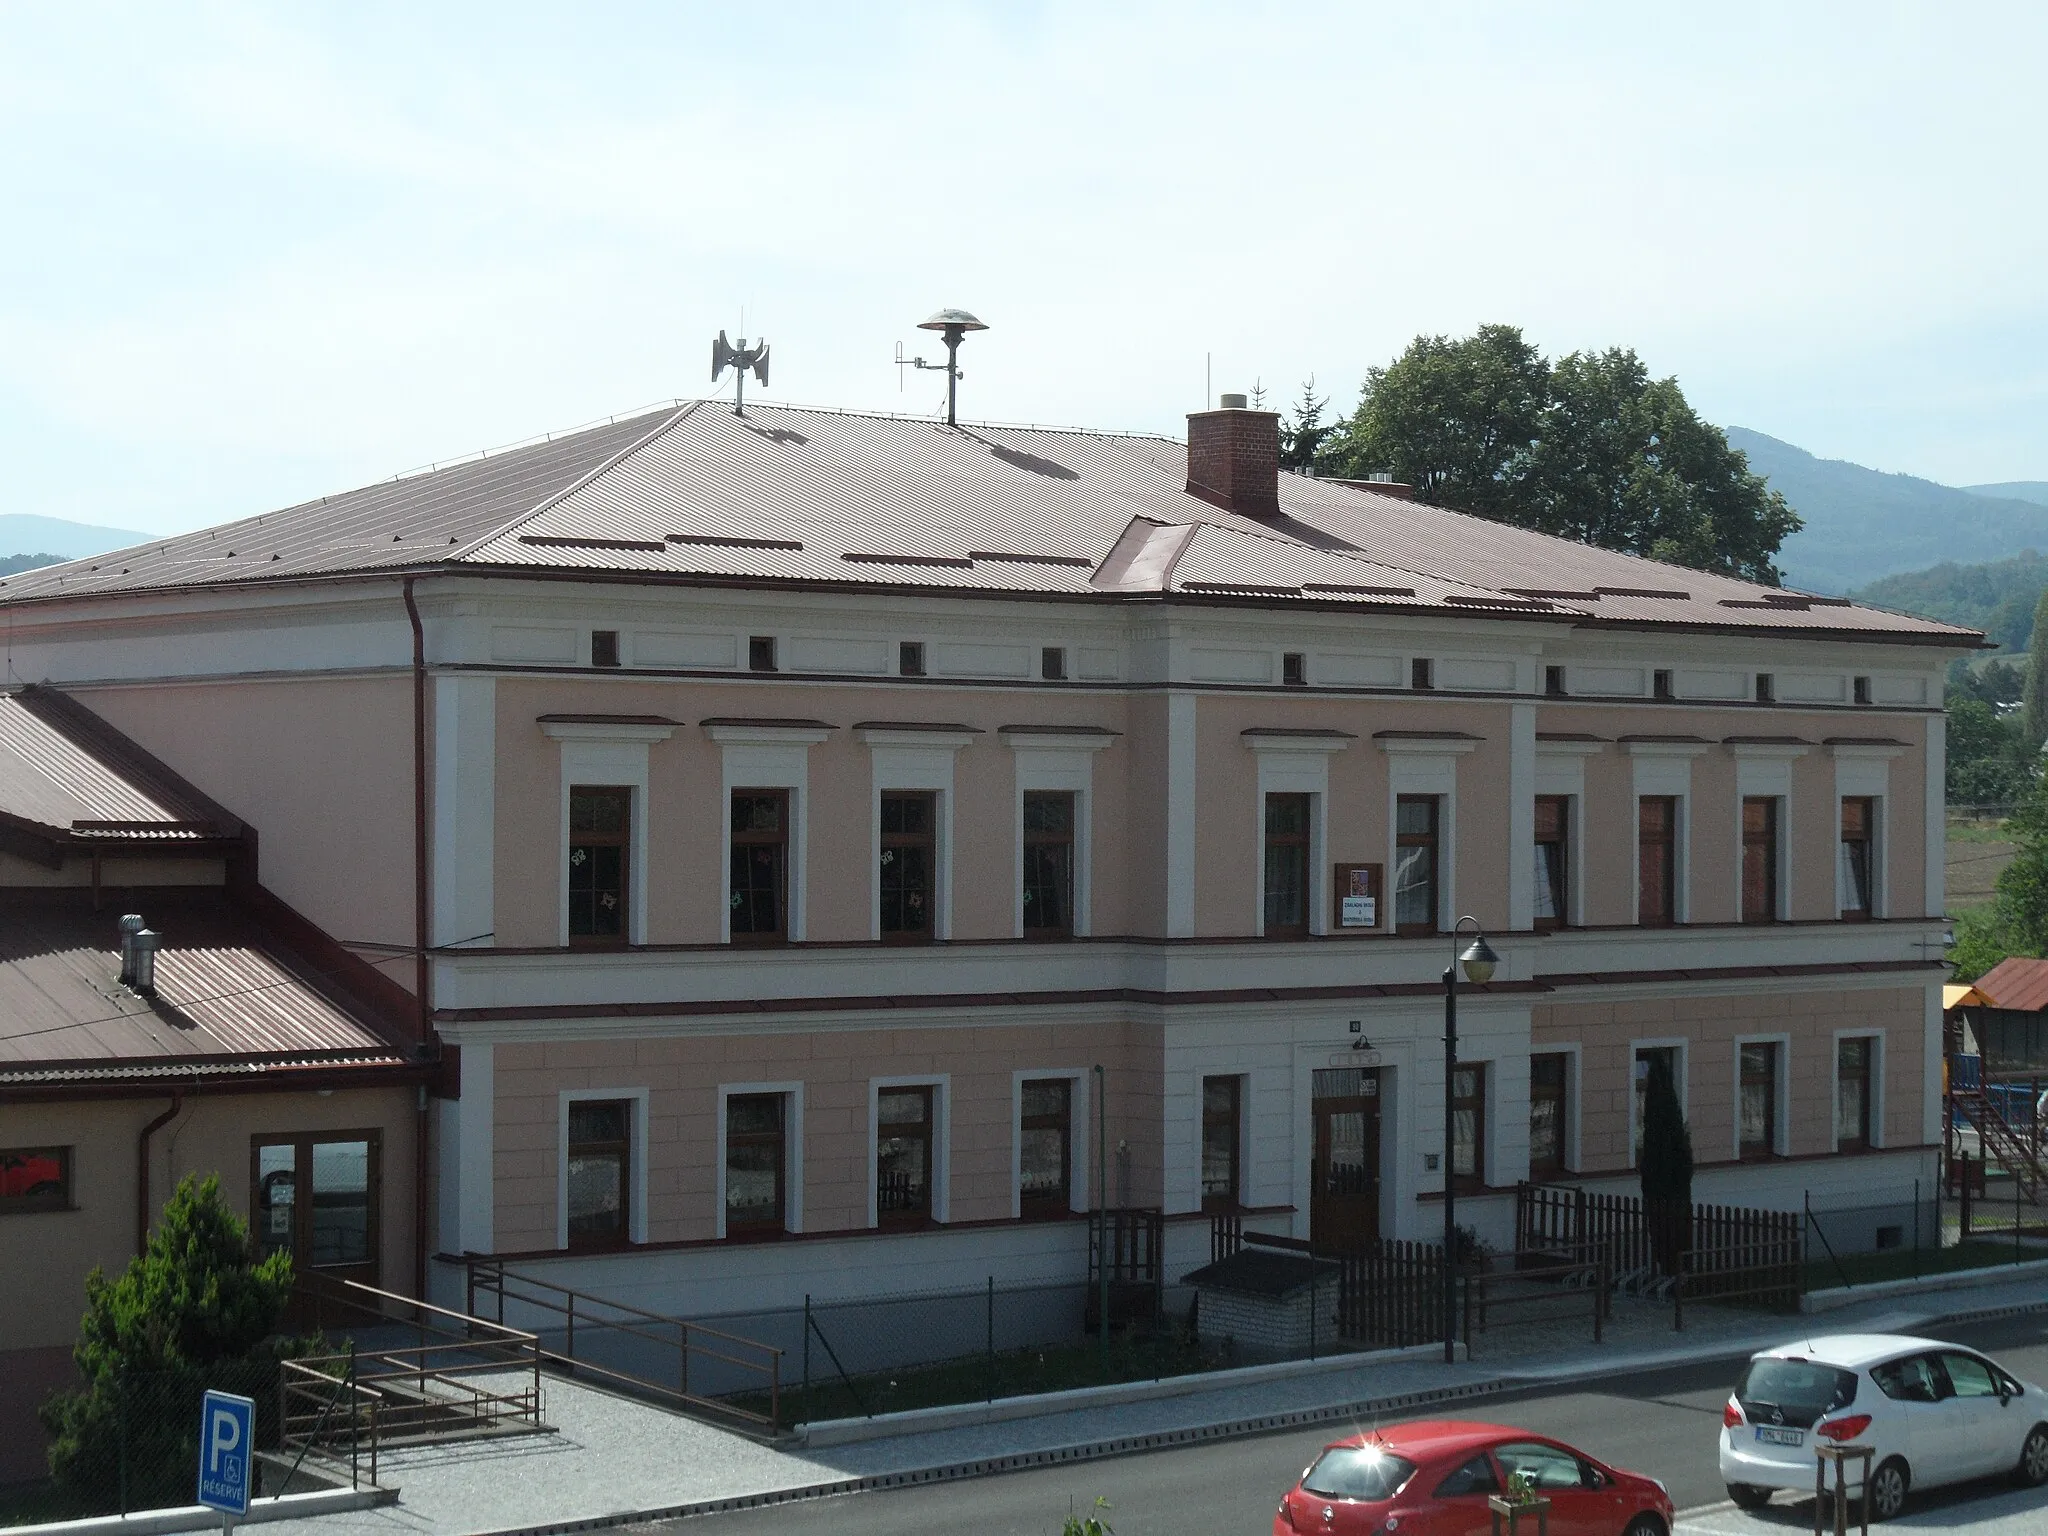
(1666, 1168)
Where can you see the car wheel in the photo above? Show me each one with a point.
(1748, 1495)
(1885, 1493)
(1644, 1525)
(2033, 1468)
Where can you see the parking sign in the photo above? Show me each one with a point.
(227, 1439)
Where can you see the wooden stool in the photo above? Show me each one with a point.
(1840, 1455)
(1540, 1508)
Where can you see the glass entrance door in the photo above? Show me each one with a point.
(316, 1199)
(1344, 1174)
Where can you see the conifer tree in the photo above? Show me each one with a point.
(1666, 1166)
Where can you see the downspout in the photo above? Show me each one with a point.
(423, 1049)
(142, 1167)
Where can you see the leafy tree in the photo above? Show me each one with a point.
(192, 1311)
(1666, 1167)
(1988, 761)
(2034, 720)
(1302, 434)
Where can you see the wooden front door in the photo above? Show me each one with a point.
(1344, 1175)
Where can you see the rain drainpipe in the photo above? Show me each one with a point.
(423, 1047)
(142, 1167)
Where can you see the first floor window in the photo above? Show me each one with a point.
(1760, 859)
(600, 822)
(903, 1155)
(1553, 824)
(1549, 1077)
(1048, 864)
(1468, 1126)
(1046, 1148)
(1852, 1095)
(1416, 831)
(909, 865)
(1657, 860)
(315, 1198)
(756, 1183)
(1650, 1060)
(759, 894)
(600, 1172)
(1287, 850)
(1759, 1099)
(1222, 1101)
(1855, 865)
(35, 1179)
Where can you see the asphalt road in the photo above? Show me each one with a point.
(1662, 1423)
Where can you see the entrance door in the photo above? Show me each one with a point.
(1344, 1176)
(316, 1198)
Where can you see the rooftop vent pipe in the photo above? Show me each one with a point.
(143, 947)
(131, 925)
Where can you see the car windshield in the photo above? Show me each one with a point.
(1357, 1472)
(1794, 1392)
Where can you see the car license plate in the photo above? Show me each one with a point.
(1781, 1436)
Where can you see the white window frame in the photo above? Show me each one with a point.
(1663, 768)
(606, 754)
(1781, 1094)
(1878, 1063)
(636, 1194)
(919, 761)
(792, 1150)
(1244, 1132)
(1062, 761)
(1425, 766)
(1296, 765)
(1863, 771)
(1078, 1112)
(1657, 1043)
(766, 757)
(1561, 770)
(941, 1084)
(1763, 771)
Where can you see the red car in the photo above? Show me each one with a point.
(1432, 1479)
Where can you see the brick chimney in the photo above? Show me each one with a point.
(1234, 458)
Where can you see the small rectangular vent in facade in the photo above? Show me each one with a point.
(1294, 669)
(1052, 663)
(1766, 688)
(604, 648)
(1660, 685)
(1553, 682)
(1860, 690)
(760, 653)
(910, 659)
(1421, 674)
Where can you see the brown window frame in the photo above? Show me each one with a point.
(1433, 840)
(779, 1140)
(25, 1203)
(925, 1131)
(1059, 1202)
(1863, 840)
(894, 846)
(1666, 841)
(1226, 1120)
(302, 1144)
(750, 838)
(1041, 838)
(1472, 1102)
(1559, 828)
(620, 1146)
(1303, 842)
(1746, 1077)
(587, 841)
(1559, 1094)
(1867, 1046)
(1762, 844)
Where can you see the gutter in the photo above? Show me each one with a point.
(142, 1167)
(423, 1045)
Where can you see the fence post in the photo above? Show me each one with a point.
(1962, 1160)
(2015, 1215)
(1916, 1229)
(121, 1435)
(991, 1338)
(354, 1419)
(807, 1359)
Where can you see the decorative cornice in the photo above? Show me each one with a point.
(611, 728)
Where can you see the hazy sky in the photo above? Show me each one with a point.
(258, 253)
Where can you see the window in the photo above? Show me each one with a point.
(1759, 1106)
(1052, 663)
(1760, 859)
(756, 1164)
(760, 653)
(1468, 1126)
(909, 863)
(1048, 864)
(1421, 674)
(759, 898)
(1222, 1101)
(1969, 1376)
(1852, 1095)
(1766, 688)
(316, 1199)
(600, 821)
(1911, 1380)
(1553, 832)
(34, 1179)
(1294, 669)
(1416, 820)
(1553, 682)
(903, 1156)
(1856, 865)
(1046, 1148)
(910, 659)
(1549, 1079)
(1649, 1059)
(1287, 853)
(1859, 690)
(1657, 860)
(1547, 1467)
(1476, 1476)
(1660, 685)
(604, 647)
(600, 1177)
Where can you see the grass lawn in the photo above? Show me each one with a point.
(1905, 1264)
(1978, 832)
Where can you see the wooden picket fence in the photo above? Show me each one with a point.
(1389, 1293)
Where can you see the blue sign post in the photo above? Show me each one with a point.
(227, 1443)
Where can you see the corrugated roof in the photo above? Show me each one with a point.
(802, 496)
(2016, 983)
(65, 770)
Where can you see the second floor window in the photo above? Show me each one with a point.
(600, 1171)
(1222, 1100)
(1657, 860)
(1852, 1095)
(759, 898)
(1048, 864)
(755, 1171)
(1759, 1135)
(908, 871)
(600, 822)
(1856, 866)
(903, 1156)
(1549, 1076)
(1287, 835)
(1416, 824)
(1553, 826)
(1468, 1126)
(1760, 859)
(1046, 1147)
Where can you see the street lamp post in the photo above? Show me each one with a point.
(1478, 959)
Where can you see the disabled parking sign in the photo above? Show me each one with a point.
(227, 1440)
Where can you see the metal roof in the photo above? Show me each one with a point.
(68, 773)
(799, 496)
(2017, 984)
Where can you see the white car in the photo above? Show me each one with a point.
(1933, 1413)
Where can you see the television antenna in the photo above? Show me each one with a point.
(742, 359)
(952, 325)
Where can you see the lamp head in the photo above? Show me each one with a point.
(1478, 960)
(957, 321)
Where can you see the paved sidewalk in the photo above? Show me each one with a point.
(612, 1457)
(2016, 1512)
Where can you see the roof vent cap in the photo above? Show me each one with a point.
(1233, 402)
(144, 946)
(131, 924)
